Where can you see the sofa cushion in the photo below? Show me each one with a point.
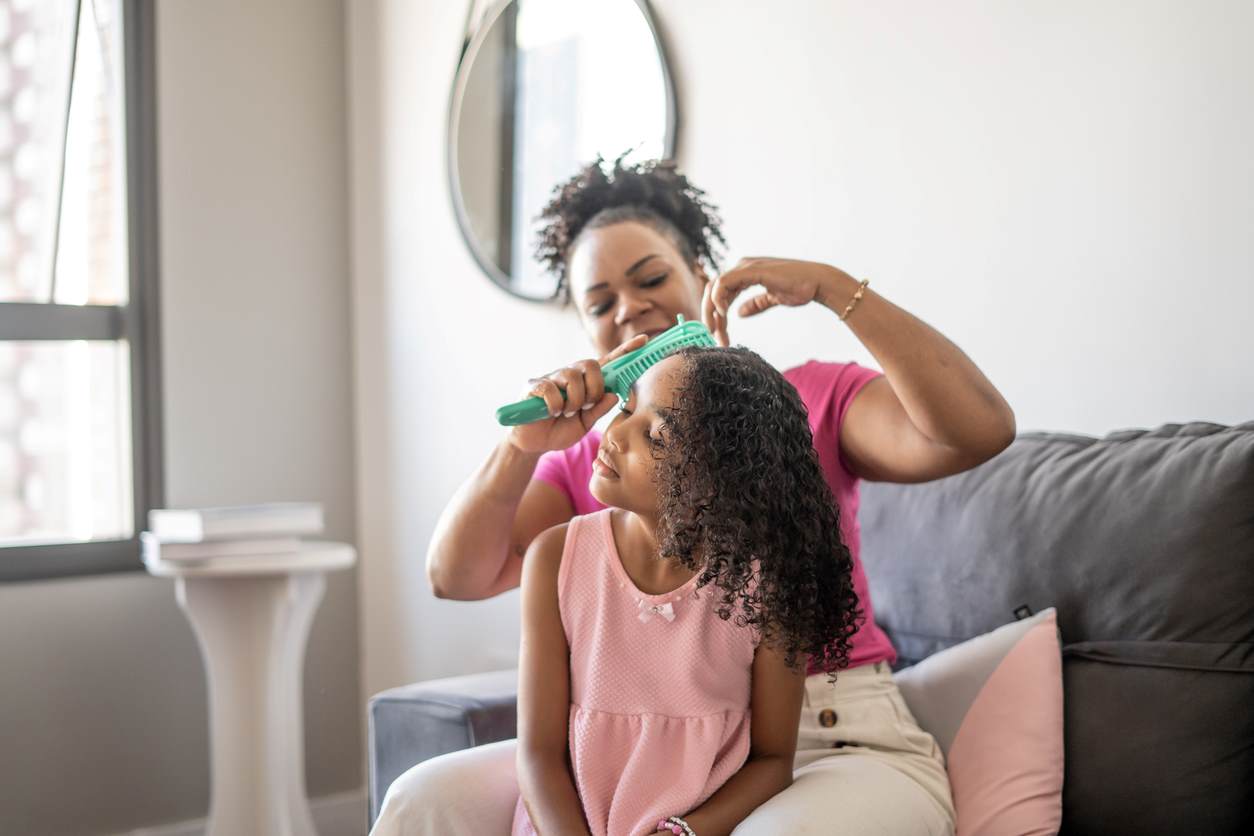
(1144, 541)
(1168, 726)
(994, 704)
(414, 723)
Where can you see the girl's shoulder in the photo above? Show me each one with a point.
(550, 545)
(544, 554)
(591, 526)
(550, 540)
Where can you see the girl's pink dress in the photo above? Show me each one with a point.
(660, 685)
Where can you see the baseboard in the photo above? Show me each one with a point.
(342, 814)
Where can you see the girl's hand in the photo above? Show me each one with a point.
(785, 282)
(571, 417)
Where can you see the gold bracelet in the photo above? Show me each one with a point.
(857, 297)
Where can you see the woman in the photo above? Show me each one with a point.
(632, 248)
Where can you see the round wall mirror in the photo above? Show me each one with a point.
(543, 87)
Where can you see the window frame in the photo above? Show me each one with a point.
(136, 322)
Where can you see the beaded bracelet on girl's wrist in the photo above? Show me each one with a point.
(675, 825)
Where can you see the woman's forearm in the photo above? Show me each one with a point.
(548, 793)
(471, 542)
(947, 398)
(757, 781)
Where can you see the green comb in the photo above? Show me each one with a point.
(621, 372)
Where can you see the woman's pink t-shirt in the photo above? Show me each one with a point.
(827, 390)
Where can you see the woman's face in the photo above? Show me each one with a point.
(628, 279)
(623, 474)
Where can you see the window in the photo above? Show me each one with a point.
(79, 424)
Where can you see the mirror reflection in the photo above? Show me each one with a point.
(544, 86)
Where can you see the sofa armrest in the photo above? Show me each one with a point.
(414, 723)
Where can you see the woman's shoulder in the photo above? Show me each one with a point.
(825, 370)
(590, 442)
(577, 456)
(817, 380)
(570, 470)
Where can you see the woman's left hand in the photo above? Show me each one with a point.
(784, 282)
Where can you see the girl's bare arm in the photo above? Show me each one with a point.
(776, 713)
(544, 777)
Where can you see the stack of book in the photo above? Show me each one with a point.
(229, 534)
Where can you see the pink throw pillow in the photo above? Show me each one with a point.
(994, 704)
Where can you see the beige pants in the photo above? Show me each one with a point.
(863, 766)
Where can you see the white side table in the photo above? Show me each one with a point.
(251, 617)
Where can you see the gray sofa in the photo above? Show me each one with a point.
(1143, 540)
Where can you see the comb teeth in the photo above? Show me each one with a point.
(620, 378)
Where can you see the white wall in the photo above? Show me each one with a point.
(1064, 189)
(103, 713)
(255, 264)
(422, 315)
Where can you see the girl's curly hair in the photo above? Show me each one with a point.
(743, 500)
(653, 192)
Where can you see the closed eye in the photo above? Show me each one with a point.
(655, 440)
(605, 306)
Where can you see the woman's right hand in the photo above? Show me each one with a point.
(570, 417)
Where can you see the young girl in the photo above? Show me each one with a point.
(665, 639)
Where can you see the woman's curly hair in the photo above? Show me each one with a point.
(653, 192)
(742, 500)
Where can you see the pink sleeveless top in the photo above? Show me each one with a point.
(660, 685)
(827, 390)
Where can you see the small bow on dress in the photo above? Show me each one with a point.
(647, 611)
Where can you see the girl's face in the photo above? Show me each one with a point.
(623, 473)
(628, 279)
